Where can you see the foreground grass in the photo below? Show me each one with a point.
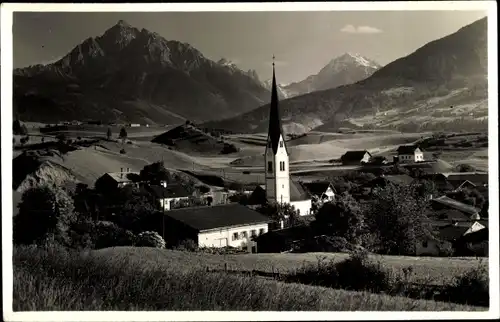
(59, 280)
(433, 270)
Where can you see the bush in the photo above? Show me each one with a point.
(471, 287)
(187, 245)
(108, 234)
(122, 151)
(229, 148)
(355, 273)
(465, 168)
(150, 239)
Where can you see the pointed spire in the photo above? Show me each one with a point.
(275, 128)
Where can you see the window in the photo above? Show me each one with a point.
(244, 234)
(269, 166)
(253, 233)
(235, 236)
(261, 231)
(298, 212)
(281, 144)
(282, 165)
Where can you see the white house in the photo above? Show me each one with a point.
(410, 153)
(323, 190)
(167, 195)
(216, 226)
(278, 186)
(355, 157)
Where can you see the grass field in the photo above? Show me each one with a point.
(149, 279)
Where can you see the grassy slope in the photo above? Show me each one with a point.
(157, 281)
(438, 270)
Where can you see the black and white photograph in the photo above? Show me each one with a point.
(249, 157)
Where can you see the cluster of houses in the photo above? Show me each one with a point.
(220, 223)
(405, 154)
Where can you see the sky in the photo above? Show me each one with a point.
(303, 42)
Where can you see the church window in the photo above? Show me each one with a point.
(281, 144)
(283, 167)
(269, 166)
(261, 231)
(235, 236)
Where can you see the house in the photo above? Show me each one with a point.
(167, 195)
(231, 225)
(278, 185)
(410, 153)
(355, 157)
(445, 202)
(474, 243)
(113, 180)
(134, 125)
(322, 190)
(282, 240)
(461, 180)
(452, 236)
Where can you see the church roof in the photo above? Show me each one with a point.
(275, 126)
(297, 193)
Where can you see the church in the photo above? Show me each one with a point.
(279, 187)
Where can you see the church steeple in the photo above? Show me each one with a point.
(275, 127)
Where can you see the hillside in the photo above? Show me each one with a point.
(441, 86)
(133, 75)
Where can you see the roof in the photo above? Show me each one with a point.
(171, 191)
(297, 192)
(121, 176)
(407, 149)
(477, 236)
(452, 232)
(275, 126)
(458, 178)
(220, 216)
(354, 155)
(317, 187)
(288, 234)
(450, 215)
(452, 203)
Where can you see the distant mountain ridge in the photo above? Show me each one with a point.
(442, 85)
(135, 75)
(346, 69)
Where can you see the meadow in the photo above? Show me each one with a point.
(153, 279)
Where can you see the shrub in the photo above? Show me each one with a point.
(355, 273)
(472, 287)
(465, 168)
(122, 151)
(187, 245)
(229, 148)
(108, 234)
(150, 239)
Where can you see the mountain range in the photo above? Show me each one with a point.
(441, 86)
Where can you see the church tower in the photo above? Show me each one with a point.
(276, 154)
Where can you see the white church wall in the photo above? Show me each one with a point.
(304, 206)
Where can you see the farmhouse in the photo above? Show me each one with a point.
(322, 190)
(167, 195)
(217, 226)
(410, 153)
(278, 185)
(456, 236)
(113, 180)
(355, 157)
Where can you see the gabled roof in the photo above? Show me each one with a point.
(354, 155)
(220, 216)
(477, 236)
(318, 187)
(407, 149)
(275, 126)
(171, 191)
(452, 203)
(121, 177)
(476, 178)
(297, 192)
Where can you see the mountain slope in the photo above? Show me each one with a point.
(442, 85)
(134, 75)
(346, 69)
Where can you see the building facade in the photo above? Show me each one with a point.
(410, 154)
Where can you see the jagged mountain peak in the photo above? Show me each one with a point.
(350, 57)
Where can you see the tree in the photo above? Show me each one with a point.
(465, 168)
(155, 173)
(281, 213)
(18, 128)
(44, 212)
(342, 218)
(397, 220)
(108, 134)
